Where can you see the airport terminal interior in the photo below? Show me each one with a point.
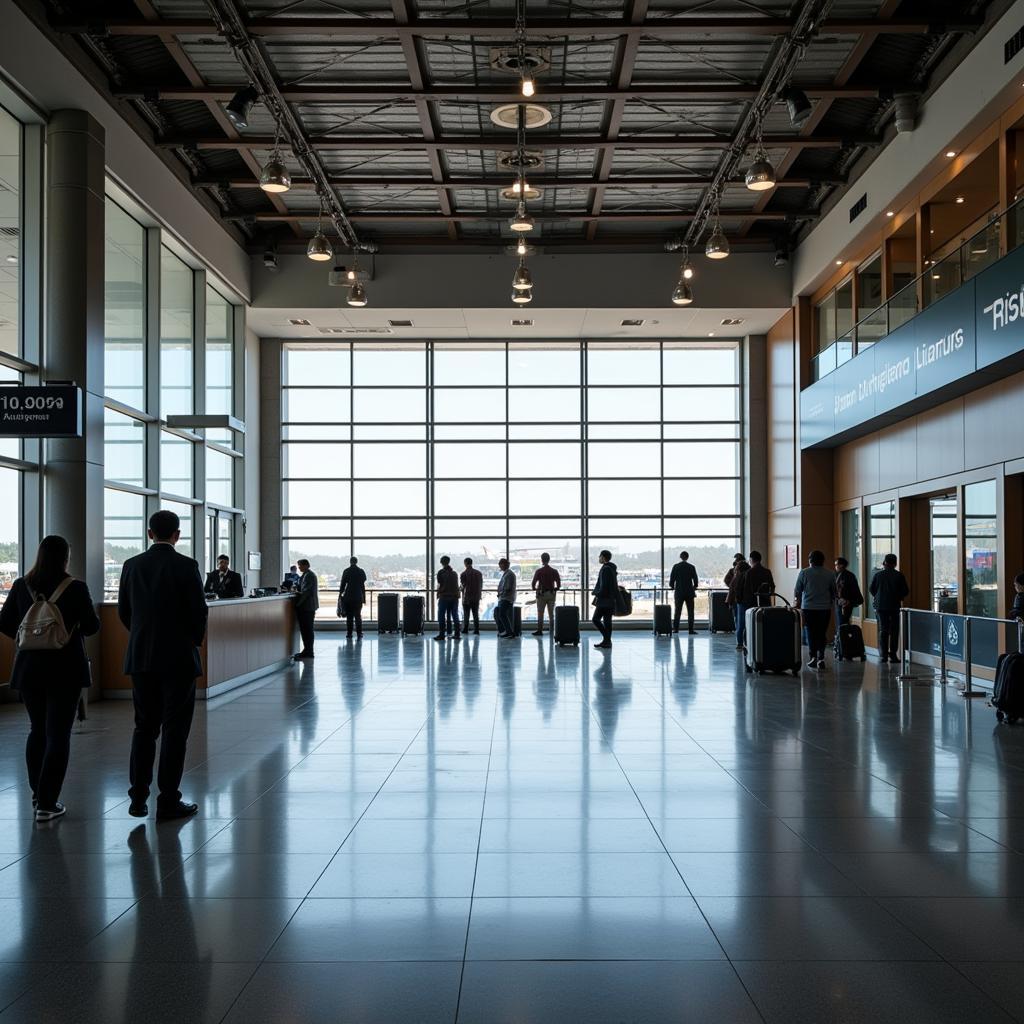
(685, 300)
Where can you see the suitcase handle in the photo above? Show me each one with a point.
(774, 594)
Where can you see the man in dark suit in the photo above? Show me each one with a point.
(683, 582)
(306, 604)
(224, 581)
(162, 605)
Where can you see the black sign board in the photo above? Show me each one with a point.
(50, 410)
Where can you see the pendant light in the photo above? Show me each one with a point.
(526, 84)
(319, 248)
(718, 246)
(686, 270)
(356, 292)
(683, 294)
(521, 298)
(274, 177)
(798, 106)
(521, 246)
(522, 280)
(521, 221)
(760, 175)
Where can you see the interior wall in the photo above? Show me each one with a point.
(253, 462)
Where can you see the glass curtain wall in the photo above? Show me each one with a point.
(981, 549)
(401, 453)
(149, 465)
(879, 540)
(944, 530)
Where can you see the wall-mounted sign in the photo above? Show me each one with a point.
(253, 561)
(948, 349)
(50, 410)
(792, 556)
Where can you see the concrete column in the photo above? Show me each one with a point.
(270, 461)
(755, 446)
(73, 343)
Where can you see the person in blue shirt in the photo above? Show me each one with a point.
(815, 594)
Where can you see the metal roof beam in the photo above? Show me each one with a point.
(414, 217)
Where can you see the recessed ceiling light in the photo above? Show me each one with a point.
(839, 263)
(711, 334)
(950, 153)
(890, 213)
(960, 199)
(522, 323)
(400, 323)
(298, 322)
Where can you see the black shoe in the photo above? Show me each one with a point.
(176, 811)
(58, 810)
(439, 637)
(692, 632)
(303, 654)
(538, 632)
(476, 632)
(359, 636)
(138, 809)
(348, 636)
(603, 646)
(458, 636)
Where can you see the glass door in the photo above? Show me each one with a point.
(943, 531)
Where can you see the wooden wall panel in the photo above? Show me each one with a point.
(782, 414)
(940, 441)
(991, 415)
(897, 456)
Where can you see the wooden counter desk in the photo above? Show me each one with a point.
(246, 638)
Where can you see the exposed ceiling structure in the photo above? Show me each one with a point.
(649, 110)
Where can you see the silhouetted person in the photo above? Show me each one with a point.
(447, 600)
(815, 594)
(606, 592)
(503, 614)
(50, 680)
(888, 589)
(1017, 610)
(306, 605)
(848, 595)
(291, 578)
(546, 584)
(352, 597)
(737, 582)
(731, 572)
(683, 583)
(471, 583)
(223, 582)
(758, 584)
(161, 603)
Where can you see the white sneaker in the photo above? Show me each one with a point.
(57, 811)
(821, 665)
(812, 664)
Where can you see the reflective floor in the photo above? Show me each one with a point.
(407, 831)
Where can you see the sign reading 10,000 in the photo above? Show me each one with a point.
(50, 410)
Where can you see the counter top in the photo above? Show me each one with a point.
(231, 600)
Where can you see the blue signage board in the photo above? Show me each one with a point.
(948, 348)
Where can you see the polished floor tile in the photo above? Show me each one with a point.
(505, 832)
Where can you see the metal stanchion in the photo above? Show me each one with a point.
(905, 675)
(943, 678)
(967, 691)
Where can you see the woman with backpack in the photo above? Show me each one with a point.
(48, 614)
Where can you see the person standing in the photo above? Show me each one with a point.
(223, 582)
(161, 603)
(306, 604)
(683, 583)
(506, 595)
(291, 578)
(447, 600)
(735, 599)
(848, 595)
(352, 597)
(758, 583)
(731, 572)
(50, 678)
(606, 592)
(815, 594)
(472, 585)
(546, 584)
(888, 589)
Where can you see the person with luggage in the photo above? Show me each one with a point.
(815, 594)
(731, 572)
(848, 595)
(471, 582)
(737, 578)
(606, 594)
(546, 584)
(503, 615)
(306, 605)
(447, 601)
(683, 583)
(53, 613)
(758, 583)
(352, 597)
(888, 589)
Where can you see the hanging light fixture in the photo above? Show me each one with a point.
(798, 106)
(760, 175)
(319, 248)
(239, 106)
(526, 84)
(522, 280)
(718, 246)
(683, 294)
(356, 293)
(686, 270)
(521, 246)
(522, 297)
(521, 221)
(274, 177)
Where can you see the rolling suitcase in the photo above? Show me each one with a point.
(567, 625)
(720, 619)
(387, 613)
(662, 620)
(517, 621)
(773, 639)
(849, 643)
(1008, 691)
(412, 614)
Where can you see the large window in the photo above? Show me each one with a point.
(176, 312)
(124, 308)
(880, 540)
(11, 249)
(943, 529)
(849, 535)
(980, 549)
(401, 453)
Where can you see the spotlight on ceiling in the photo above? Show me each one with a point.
(798, 106)
(240, 105)
(781, 257)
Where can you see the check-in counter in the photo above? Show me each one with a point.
(246, 638)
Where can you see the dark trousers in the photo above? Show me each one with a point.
(51, 712)
(447, 615)
(305, 617)
(164, 705)
(352, 615)
(503, 618)
(888, 635)
(680, 601)
(471, 608)
(816, 620)
(739, 612)
(603, 622)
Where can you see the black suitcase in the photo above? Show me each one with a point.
(517, 620)
(849, 643)
(662, 620)
(412, 614)
(720, 618)
(387, 613)
(1008, 692)
(773, 639)
(567, 625)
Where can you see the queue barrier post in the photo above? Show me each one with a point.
(942, 648)
(967, 692)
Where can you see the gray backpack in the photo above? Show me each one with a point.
(43, 627)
